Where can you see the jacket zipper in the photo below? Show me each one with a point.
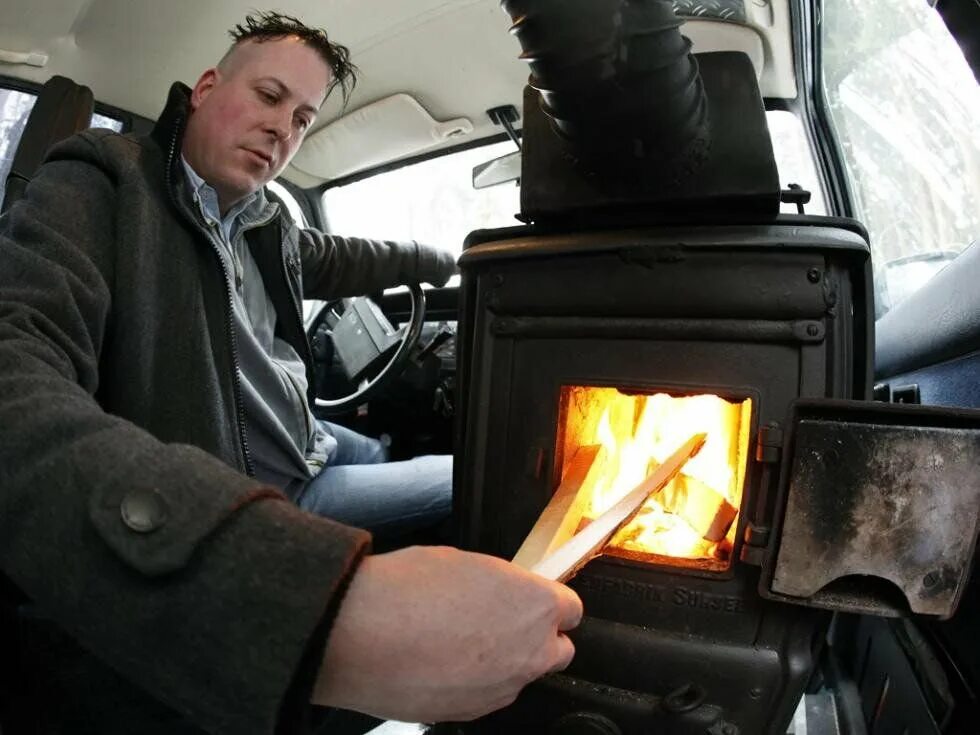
(229, 317)
(298, 316)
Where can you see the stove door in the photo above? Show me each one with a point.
(877, 510)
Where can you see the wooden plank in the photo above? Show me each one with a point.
(571, 556)
(562, 515)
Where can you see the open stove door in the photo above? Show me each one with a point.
(878, 508)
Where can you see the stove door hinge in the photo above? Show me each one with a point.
(768, 452)
(756, 544)
(769, 444)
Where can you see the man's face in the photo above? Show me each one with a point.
(251, 113)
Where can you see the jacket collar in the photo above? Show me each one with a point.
(254, 210)
(169, 128)
(168, 134)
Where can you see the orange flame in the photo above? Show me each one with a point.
(638, 432)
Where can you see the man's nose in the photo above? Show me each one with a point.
(279, 124)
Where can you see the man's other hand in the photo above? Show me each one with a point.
(436, 265)
(429, 634)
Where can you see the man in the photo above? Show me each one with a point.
(163, 587)
(244, 129)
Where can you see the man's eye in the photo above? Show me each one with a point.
(268, 96)
(302, 123)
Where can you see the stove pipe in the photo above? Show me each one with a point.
(622, 124)
(617, 80)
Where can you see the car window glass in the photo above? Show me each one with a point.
(794, 160)
(15, 106)
(905, 107)
(433, 201)
(104, 121)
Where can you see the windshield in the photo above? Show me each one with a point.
(434, 201)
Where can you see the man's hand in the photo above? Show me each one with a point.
(436, 265)
(430, 634)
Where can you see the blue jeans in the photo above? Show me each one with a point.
(359, 487)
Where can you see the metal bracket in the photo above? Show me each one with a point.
(506, 116)
(797, 195)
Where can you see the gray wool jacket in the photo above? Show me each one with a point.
(129, 526)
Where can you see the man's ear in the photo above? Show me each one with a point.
(208, 81)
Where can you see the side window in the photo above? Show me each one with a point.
(905, 106)
(15, 107)
(794, 160)
(104, 121)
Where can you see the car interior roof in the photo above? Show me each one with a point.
(455, 58)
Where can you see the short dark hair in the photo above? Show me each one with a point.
(271, 26)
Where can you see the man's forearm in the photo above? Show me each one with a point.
(342, 266)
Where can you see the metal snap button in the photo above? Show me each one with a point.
(143, 510)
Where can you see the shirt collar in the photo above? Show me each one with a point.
(251, 208)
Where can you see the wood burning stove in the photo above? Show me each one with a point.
(646, 336)
(636, 309)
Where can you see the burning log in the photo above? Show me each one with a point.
(706, 510)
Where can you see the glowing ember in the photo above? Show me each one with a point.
(690, 518)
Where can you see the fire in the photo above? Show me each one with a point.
(692, 517)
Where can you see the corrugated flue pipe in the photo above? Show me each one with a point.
(618, 81)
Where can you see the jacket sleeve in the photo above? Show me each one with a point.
(335, 266)
(196, 583)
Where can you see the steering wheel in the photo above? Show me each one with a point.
(364, 339)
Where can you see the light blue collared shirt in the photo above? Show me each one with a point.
(284, 441)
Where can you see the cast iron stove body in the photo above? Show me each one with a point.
(769, 313)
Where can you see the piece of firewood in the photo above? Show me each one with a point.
(560, 518)
(705, 509)
(571, 556)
